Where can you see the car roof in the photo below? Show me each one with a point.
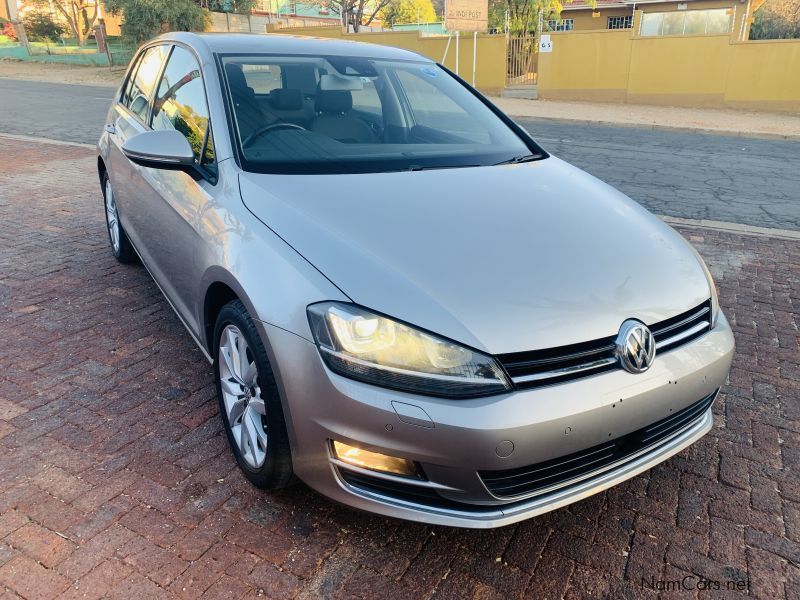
(276, 43)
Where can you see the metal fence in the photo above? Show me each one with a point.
(521, 60)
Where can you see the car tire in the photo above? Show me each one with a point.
(120, 244)
(249, 401)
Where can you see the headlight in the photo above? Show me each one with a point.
(714, 297)
(375, 349)
(711, 286)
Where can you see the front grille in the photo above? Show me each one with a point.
(566, 470)
(556, 365)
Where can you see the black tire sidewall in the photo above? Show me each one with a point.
(276, 470)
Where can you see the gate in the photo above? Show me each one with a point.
(521, 60)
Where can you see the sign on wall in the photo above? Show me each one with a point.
(466, 15)
(545, 45)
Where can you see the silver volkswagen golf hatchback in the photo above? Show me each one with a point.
(409, 304)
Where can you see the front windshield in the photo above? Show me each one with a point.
(340, 114)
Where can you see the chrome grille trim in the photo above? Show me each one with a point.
(592, 366)
(690, 319)
(556, 365)
(676, 339)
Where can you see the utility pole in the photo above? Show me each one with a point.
(13, 16)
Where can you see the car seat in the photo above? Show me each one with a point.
(249, 115)
(289, 105)
(335, 121)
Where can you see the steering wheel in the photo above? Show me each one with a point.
(248, 141)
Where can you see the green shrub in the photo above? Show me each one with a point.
(144, 19)
(41, 27)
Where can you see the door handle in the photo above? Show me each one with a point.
(110, 128)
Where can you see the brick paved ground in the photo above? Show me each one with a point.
(116, 480)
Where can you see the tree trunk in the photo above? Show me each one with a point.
(76, 24)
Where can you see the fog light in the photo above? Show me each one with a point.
(366, 459)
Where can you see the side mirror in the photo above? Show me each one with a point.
(160, 149)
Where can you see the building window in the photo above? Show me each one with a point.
(687, 22)
(560, 24)
(625, 22)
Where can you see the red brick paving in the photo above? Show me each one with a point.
(116, 480)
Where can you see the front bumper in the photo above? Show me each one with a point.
(454, 440)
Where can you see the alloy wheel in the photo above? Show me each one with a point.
(241, 394)
(112, 218)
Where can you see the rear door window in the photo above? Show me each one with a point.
(137, 96)
(262, 79)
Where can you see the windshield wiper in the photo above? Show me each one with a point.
(521, 159)
(431, 167)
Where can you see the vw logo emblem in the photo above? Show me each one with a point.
(636, 347)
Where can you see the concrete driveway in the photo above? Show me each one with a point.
(116, 480)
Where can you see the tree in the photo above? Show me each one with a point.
(79, 15)
(41, 26)
(776, 19)
(143, 19)
(244, 7)
(522, 16)
(409, 11)
(353, 12)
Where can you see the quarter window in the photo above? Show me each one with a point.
(180, 103)
(367, 99)
(262, 79)
(137, 96)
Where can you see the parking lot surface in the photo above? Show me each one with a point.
(116, 479)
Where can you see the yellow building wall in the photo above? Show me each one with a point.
(3, 11)
(490, 76)
(585, 64)
(113, 24)
(764, 74)
(698, 70)
(679, 70)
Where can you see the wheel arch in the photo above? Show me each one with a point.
(101, 168)
(220, 288)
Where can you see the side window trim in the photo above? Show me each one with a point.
(137, 61)
(154, 94)
(154, 91)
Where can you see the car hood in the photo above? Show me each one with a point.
(504, 259)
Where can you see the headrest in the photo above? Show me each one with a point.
(300, 77)
(286, 99)
(333, 101)
(236, 78)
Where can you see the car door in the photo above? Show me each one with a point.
(128, 118)
(161, 206)
(173, 198)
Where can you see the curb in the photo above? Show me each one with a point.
(724, 226)
(43, 140)
(792, 137)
